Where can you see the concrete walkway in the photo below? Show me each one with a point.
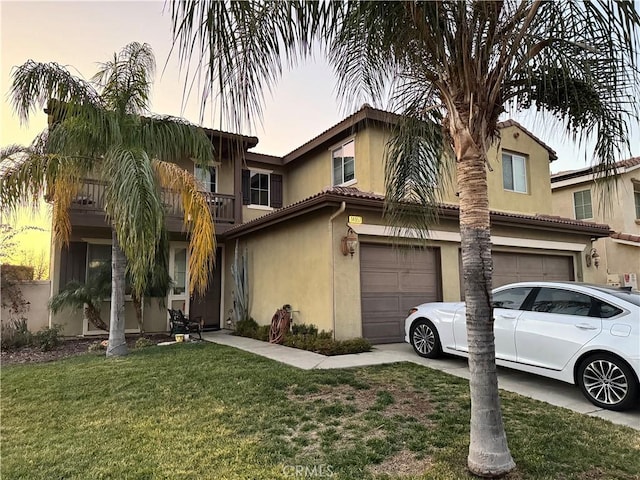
(547, 390)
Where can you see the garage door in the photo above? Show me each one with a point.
(524, 267)
(392, 280)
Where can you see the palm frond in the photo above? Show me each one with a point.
(134, 207)
(245, 45)
(197, 221)
(35, 84)
(125, 81)
(419, 168)
(172, 139)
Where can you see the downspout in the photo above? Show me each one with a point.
(343, 207)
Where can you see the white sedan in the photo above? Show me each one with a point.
(582, 334)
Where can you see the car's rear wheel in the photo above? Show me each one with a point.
(608, 382)
(425, 339)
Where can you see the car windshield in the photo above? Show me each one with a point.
(631, 296)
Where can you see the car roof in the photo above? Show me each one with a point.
(622, 293)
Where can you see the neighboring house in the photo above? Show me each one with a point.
(293, 213)
(576, 195)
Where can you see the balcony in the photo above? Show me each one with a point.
(87, 208)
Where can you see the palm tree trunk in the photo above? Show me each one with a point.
(489, 454)
(93, 316)
(137, 305)
(117, 342)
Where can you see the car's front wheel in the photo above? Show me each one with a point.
(608, 382)
(425, 339)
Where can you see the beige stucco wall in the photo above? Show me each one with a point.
(290, 264)
(618, 212)
(36, 294)
(311, 174)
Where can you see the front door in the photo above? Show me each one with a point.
(207, 306)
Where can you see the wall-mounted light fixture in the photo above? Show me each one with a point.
(592, 257)
(349, 243)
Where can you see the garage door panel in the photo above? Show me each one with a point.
(511, 267)
(392, 281)
(415, 282)
(382, 332)
(380, 303)
(378, 281)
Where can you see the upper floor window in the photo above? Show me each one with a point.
(344, 163)
(514, 172)
(636, 197)
(582, 204)
(261, 188)
(208, 178)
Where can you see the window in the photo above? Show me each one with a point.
(514, 172)
(99, 263)
(562, 302)
(512, 298)
(208, 178)
(582, 204)
(636, 197)
(98, 259)
(259, 189)
(344, 163)
(179, 271)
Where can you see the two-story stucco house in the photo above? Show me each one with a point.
(90, 242)
(293, 212)
(576, 195)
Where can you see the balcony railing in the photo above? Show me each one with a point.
(91, 198)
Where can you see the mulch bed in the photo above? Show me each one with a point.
(69, 348)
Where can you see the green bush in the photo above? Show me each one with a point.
(143, 342)
(307, 337)
(14, 334)
(304, 329)
(48, 338)
(246, 328)
(262, 333)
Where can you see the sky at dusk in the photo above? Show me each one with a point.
(79, 34)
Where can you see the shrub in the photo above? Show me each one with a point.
(143, 342)
(262, 333)
(48, 338)
(304, 329)
(15, 334)
(246, 328)
(307, 337)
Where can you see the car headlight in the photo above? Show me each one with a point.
(412, 311)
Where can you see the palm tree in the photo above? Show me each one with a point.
(88, 296)
(103, 128)
(451, 68)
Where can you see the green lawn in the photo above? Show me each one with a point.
(213, 412)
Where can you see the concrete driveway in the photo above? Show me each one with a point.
(544, 389)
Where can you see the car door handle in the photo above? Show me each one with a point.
(586, 326)
(507, 316)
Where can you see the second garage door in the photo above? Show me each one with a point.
(522, 267)
(393, 280)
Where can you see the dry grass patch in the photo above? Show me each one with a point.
(403, 464)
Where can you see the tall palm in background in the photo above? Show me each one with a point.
(102, 128)
(451, 68)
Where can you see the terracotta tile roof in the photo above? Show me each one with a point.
(512, 123)
(627, 237)
(374, 114)
(569, 174)
(335, 195)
